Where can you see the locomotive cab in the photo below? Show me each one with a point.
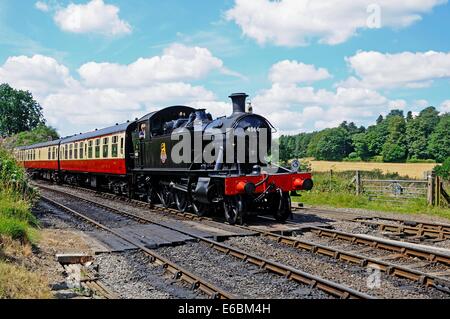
(152, 137)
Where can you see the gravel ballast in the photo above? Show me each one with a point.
(329, 268)
(131, 275)
(240, 278)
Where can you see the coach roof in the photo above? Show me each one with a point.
(40, 145)
(98, 133)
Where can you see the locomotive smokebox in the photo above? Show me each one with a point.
(238, 102)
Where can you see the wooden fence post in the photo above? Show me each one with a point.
(437, 201)
(431, 196)
(358, 183)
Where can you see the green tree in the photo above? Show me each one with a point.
(360, 145)
(444, 169)
(376, 137)
(394, 149)
(301, 144)
(18, 111)
(41, 133)
(331, 145)
(380, 119)
(418, 131)
(439, 145)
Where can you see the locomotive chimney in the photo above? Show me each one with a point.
(238, 102)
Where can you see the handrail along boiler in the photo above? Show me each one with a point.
(135, 159)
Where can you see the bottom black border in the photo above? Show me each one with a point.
(168, 309)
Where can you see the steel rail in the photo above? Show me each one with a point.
(379, 243)
(410, 223)
(289, 272)
(391, 269)
(178, 272)
(424, 225)
(418, 231)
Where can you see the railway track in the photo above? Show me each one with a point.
(395, 227)
(408, 229)
(178, 272)
(303, 278)
(392, 269)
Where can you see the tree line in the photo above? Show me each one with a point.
(394, 138)
(21, 119)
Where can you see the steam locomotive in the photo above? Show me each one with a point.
(178, 157)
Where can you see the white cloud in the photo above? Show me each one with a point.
(178, 62)
(445, 106)
(92, 17)
(293, 107)
(72, 105)
(42, 6)
(40, 74)
(400, 70)
(421, 103)
(397, 105)
(297, 22)
(295, 72)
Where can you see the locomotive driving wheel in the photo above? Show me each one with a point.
(234, 208)
(151, 195)
(200, 209)
(282, 209)
(181, 200)
(165, 196)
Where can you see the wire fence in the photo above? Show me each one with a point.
(432, 189)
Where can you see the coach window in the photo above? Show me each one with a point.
(121, 145)
(66, 152)
(97, 148)
(105, 147)
(114, 146)
(90, 149)
(81, 150)
(75, 151)
(70, 151)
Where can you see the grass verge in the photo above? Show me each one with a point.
(16, 282)
(347, 200)
(17, 234)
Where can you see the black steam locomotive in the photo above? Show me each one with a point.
(179, 157)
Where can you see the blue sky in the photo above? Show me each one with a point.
(307, 65)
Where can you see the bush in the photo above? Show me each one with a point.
(443, 170)
(16, 219)
(15, 229)
(416, 160)
(353, 157)
(13, 177)
(13, 207)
